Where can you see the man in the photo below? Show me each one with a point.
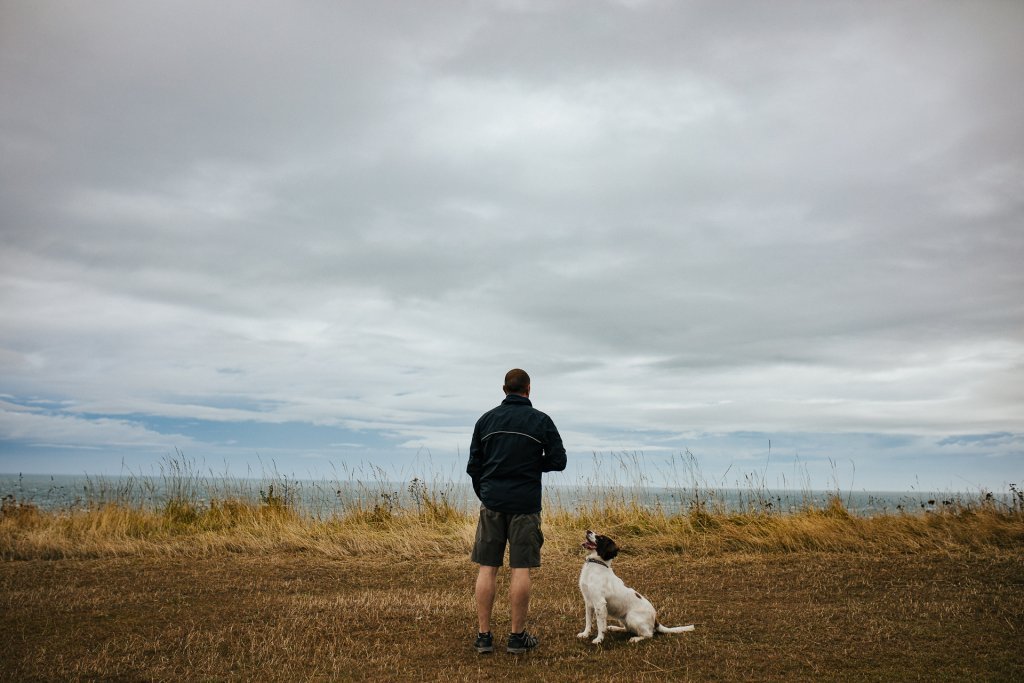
(512, 446)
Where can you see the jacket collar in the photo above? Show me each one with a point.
(516, 399)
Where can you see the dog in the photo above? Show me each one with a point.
(605, 595)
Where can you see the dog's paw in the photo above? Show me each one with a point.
(636, 639)
(598, 640)
(583, 634)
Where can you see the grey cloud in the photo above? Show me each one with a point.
(714, 196)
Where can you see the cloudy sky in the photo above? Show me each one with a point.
(317, 234)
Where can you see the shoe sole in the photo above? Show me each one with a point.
(485, 650)
(518, 650)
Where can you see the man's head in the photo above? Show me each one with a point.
(517, 382)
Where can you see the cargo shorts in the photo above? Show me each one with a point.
(521, 532)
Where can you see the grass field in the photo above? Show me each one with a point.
(241, 591)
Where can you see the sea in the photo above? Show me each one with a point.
(327, 497)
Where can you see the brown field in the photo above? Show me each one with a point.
(244, 592)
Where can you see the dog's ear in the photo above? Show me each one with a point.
(606, 548)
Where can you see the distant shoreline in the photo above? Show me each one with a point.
(51, 492)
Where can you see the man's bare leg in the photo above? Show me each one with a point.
(519, 598)
(486, 580)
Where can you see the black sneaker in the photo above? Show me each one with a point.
(484, 643)
(521, 642)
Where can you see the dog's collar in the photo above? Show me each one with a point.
(600, 562)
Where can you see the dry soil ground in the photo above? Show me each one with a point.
(302, 616)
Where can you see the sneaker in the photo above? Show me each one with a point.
(484, 643)
(520, 642)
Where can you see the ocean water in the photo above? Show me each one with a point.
(324, 497)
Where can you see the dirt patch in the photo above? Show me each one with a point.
(302, 616)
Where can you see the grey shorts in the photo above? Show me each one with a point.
(521, 532)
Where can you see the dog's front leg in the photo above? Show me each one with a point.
(585, 633)
(601, 616)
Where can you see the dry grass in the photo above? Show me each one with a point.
(232, 526)
(304, 616)
(182, 528)
(237, 590)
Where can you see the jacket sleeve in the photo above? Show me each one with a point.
(554, 452)
(475, 465)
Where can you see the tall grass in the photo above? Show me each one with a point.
(184, 512)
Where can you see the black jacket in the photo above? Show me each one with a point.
(512, 446)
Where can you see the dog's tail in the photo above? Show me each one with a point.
(672, 629)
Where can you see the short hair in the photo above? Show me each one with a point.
(516, 381)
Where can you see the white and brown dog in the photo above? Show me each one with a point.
(606, 596)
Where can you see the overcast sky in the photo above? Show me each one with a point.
(317, 234)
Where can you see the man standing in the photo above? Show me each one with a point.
(512, 446)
